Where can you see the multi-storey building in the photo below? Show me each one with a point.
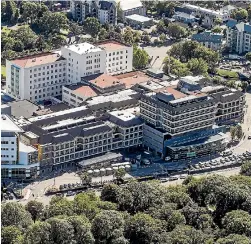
(82, 60)
(209, 39)
(36, 77)
(74, 134)
(18, 160)
(238, 37)
(119, 56)
(104, 11)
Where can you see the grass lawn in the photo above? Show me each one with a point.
(3, 70)
(227, 73)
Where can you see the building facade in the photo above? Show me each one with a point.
(36, 77)
(104, 11)
(18, 160)
(238, 37)
(209, 40)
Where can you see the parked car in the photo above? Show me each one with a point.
(249, 137)
(173, 178)
(70, 193)
(183, 176)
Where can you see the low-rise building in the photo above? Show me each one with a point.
(184, 17)
(208, 39)
(18, 160)
(136, 20)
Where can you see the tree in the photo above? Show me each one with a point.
(184, 234)
(233, 239)
(128, 36)
(30, 11)
(146, 39)
(85, 178)
(197, 66)
(218, 21)
(246, 168)
(57, 41)
(15, 16)
(161, 27)
(237, 222)
(103, 34)
(239, 132)
(18, 46)
(119, 174)
(141, 229)
(107, 225)
(15, 214)
(91, 26)
(233, 132)
(39, 233)
(217, 29)
(241, 14)
(136, 37)
(11, 235)
(140, 58)
(61, 231)
(176, 31)
(110, 193)
(10, 9)
(51, 23)
(35, 208)
(3, 11)
(244, 86)
(75, 29)
(82, 229)
(162, 37)
(175, 67)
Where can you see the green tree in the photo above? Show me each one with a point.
(176, 31)
(107, 225)
(57, 41)
(82, 229)
(61, 231)
(3, 10)
(15, 214)
(103, 34)
(197, 66)
(175, 67)
(218, 21)
(15, 16)
(248, 56)
(35, 208)
(161, 27)
(51, 23)
(85, 178)
(128, 36)
(119, 174)
(10, 10)
(140, 58)
(10, 235)
(233, 239)
(241, 14)
(75, 28)
(184, 234)
(217, 29)
(136, 37)
(239, 132)
(162, 37)
(246, 168)
(18, 46)
(39, 233)
(146, 39)
(141, 229)
(30, 11)
(110, 192)
(237, 222)
(233, 132)
(91, 26)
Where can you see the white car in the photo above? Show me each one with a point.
(167, 158)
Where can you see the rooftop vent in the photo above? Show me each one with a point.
(33, 60)
(3, 117)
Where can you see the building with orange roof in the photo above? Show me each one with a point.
(36, 77)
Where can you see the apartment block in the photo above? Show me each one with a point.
(238, 37)
(104, 11)
(18, 160)
(36, 77)
(71, 135)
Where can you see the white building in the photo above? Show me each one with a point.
(238, 37)
(119, 57)
(17, 159)
(82, 60)
(36, 77)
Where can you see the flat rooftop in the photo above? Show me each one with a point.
(151, 85)
(123, 115)
(111, 45)
(8, 125)
(129, 4)
(25, 148)
(177, 94)
(83, 48)
(37, 60)
(138, 18)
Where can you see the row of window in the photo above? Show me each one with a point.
(6, 142)
(48, 67)
(114, 53)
